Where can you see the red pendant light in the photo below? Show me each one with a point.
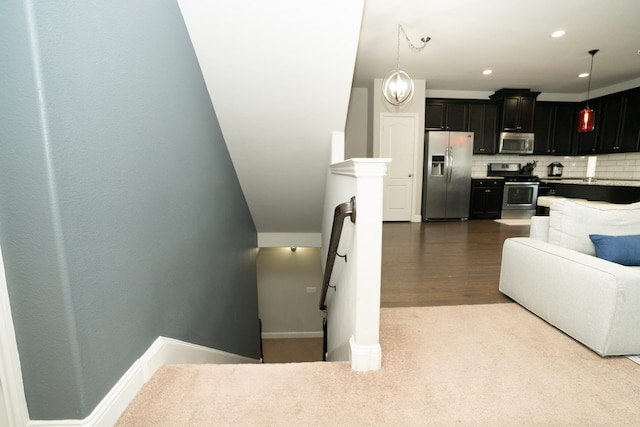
(587, 117)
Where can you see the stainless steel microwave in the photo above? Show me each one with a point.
(515, 143)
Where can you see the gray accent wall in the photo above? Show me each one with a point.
(121, 215)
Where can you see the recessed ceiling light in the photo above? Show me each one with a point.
(583, 75)
(487, 72)
(558, 33)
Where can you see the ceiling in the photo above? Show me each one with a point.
(280, 74)
(512, 38)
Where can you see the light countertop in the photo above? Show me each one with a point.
(605, 182)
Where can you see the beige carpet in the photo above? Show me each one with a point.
(473, 365)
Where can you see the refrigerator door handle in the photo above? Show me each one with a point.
(446, 164)
(450, 161)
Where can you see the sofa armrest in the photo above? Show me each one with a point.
(597, 302)
(539, 228)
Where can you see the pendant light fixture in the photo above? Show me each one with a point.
(397, 86)
(587, 117)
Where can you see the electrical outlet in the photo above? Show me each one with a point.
(311, 289)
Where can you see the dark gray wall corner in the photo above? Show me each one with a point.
(121, 216)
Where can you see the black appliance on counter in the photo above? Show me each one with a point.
(519, 199)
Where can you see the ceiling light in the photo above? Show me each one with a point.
(558, 33)
(487, 72)
(397, 86)
(586, 117)
(583, 75)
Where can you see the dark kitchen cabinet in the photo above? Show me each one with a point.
(554, 128)
(446, 115)
(620, 122)
(617, 125)
(486, 198)
(629, 137)
(483, 122)
(517, 109)
(609, 127)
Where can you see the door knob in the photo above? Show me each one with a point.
(410, 175)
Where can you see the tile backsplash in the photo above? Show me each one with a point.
(624, 166)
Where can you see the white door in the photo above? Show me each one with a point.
(398, 142)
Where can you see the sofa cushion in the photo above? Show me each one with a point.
(570, 222)
(623, 250)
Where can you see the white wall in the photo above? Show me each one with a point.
(286, 307)
(356, 129)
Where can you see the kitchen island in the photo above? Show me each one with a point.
(606, 190)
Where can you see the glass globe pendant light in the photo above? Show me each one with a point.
(397, 86)
(587, 116)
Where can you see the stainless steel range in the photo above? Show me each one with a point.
(520, 194)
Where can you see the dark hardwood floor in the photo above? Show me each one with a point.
(443, 263)
(426, 264)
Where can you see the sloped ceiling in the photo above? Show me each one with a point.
(279, 75)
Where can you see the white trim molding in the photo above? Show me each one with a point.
(365, 357)
(10, 371)
(163, 351)
(362, 167)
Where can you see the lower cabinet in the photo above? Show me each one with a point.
(486, 198)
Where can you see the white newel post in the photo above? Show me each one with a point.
(365, 262)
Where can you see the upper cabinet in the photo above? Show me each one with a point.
(446, 115)
(517, 109)
(629, 136)
(617, 125)
(554, 128)
(609, 126)
(483, 122)
(479, 117)
(617, 121)
(619, 129)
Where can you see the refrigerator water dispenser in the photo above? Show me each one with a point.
(437, 165)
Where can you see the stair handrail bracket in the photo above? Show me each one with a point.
(341, 212)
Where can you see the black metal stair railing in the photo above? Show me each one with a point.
(343, 210)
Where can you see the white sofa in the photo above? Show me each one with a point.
(556, 274)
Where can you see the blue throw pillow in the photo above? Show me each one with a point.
(623, 250)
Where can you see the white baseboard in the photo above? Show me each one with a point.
(286, 335)
(365, 357)
(163, 351)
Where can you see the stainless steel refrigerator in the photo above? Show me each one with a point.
(447, 175)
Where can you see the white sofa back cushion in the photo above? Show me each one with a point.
(570, 222)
